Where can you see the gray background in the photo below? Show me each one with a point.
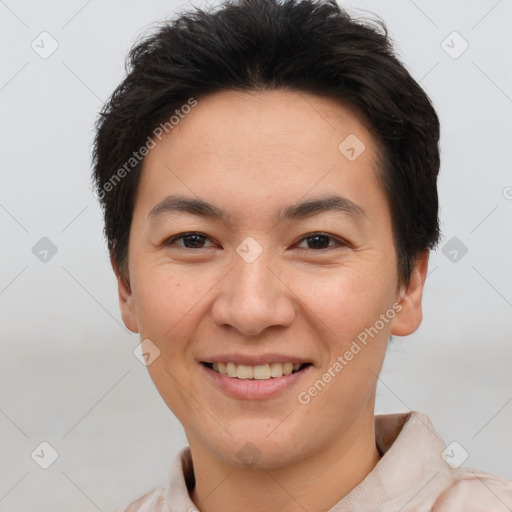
(68, 374)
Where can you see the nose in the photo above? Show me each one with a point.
(253, 297)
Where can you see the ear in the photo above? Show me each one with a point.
(410, 316)
(126, 303)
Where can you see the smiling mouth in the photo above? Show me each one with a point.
(261, 372)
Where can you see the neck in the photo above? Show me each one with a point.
(315, 483)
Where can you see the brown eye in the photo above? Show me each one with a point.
(320, 241)
(190, 240)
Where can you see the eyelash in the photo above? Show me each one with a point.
(339, 242)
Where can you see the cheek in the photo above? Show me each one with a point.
(349, 300)
(165, 303)
(349, 307)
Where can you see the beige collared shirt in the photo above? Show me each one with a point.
(416, 473)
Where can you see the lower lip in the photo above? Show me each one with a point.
(253, 389)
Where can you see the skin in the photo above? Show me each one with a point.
(252, 154)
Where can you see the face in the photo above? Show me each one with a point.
(291, 260)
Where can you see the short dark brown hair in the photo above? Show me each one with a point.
(303, 45)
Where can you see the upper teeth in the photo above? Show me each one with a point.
(261, 372)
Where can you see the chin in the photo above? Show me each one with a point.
(258, 451)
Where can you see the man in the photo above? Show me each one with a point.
(268, 177)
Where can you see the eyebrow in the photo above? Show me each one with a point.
(180, 204)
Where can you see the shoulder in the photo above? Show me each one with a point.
(472, 490)
(417, 472)
(149, 501)
(173, 494)
(448, 490)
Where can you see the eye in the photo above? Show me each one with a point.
(315, 241)
(321, 241)
(190, 240)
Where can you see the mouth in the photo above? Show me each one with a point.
(260, 372)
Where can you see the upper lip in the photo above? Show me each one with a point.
(255, 360)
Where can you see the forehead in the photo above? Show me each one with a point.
(255, 147)
(277, 120)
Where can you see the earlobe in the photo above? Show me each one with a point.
(410, 316)
(126, 303)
